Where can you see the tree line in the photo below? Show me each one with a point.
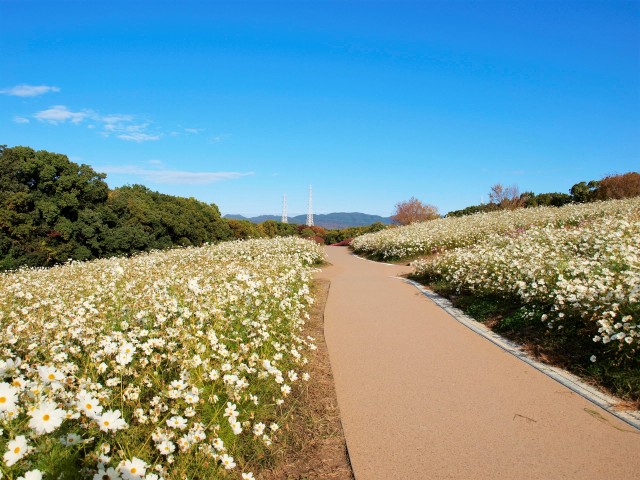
(509, 197)
(53, 210)
(610, 187)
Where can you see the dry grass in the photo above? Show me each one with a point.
(313, 445)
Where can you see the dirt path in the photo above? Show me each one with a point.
(423, 397)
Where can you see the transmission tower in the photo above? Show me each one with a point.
(284, 209)
(310, 212)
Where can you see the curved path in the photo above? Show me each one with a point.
(423, 397)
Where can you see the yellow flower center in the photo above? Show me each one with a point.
(46, 417)
(106, 423)
(3, 399)
(51, 376)
(134, 469)
(88, 406)
(16, 450)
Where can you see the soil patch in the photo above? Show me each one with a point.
(316, 447)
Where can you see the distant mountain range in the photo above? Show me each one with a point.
(326, 220)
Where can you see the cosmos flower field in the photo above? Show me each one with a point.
(174, 364)
(444, 234)
(578, 280)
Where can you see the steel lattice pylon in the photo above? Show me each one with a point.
(310, 211)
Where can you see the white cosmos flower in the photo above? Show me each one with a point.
(71, 439)
(9, 366)
(133, 469)
(230, 410)
(88, 405)
(191, 398)
(166, 447)
(177, 422)
(111, 420)
(32, 475)
(108, 474)
(50, 374)
(227, 461)
(8, 397)
(258, 429)
(235, 426)
(16, 449)
(218, 444)
(46, 417)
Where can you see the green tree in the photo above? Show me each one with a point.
(272, 228)
(243, 229)
(140, 219)
(584, 192)
(42, 197)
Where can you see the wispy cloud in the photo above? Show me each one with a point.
(138, 137)
(186, 131)
(61, 114)
(220, 138)
(122, 126)
(18, 119)
(29, 90)
(182, 177)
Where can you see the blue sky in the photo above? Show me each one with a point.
(372, 102)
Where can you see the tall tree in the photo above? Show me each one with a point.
(618, 186)
(412, 211)
(42, 197)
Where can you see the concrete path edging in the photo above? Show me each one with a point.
(572, 382)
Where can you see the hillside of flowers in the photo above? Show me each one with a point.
(577, 279)
(174, 364)
(443, 234)
(579, 284)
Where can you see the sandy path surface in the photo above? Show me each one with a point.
(423, 397)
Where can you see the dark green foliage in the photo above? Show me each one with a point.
(337, 236)
(554, 199)
(49, 208)
(584, 192)
(53, 210)
(483, 208)
(610, 187)
(273, 228)
(144, 220)
(243, 229)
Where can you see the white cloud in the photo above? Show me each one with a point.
(120, 126)
(220, 138)
(115, 119)
(138, 137)
(194, 130)
(60, 114)
(29, 90)
(18, 119)
(162, 175)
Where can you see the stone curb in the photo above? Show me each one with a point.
(604, 401)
